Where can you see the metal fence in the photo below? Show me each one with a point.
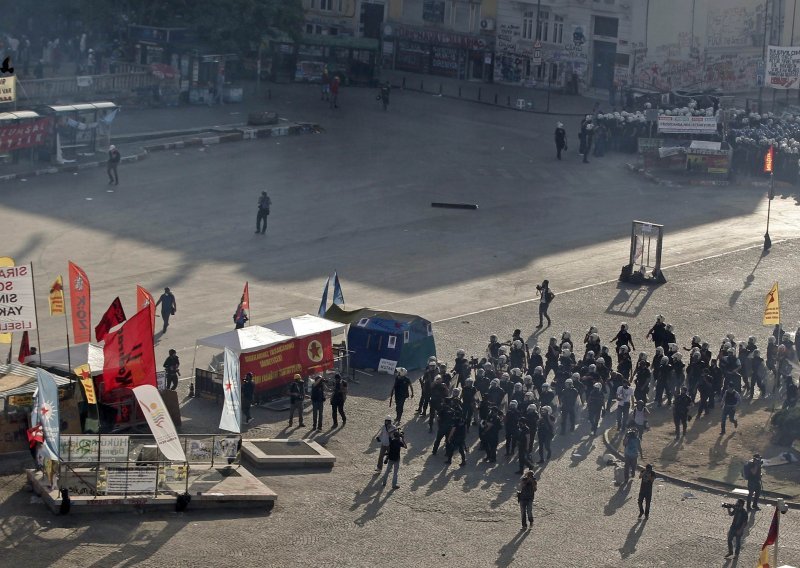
(125, 465)
(36, 90)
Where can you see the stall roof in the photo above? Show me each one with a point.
(16, 379)
(304, 325)
(18, 115)
(244, 340)
(82, 354)
(81, 107)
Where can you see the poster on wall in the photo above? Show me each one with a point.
(782, 67)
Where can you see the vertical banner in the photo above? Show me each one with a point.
(17, 302)
(129, 357)
(56, 298)
(323, 305)
(231, 419)
(80, 301)
(46, 412)
(114, 316)
(24, 348)
(85, 375)
(338, 296)
(144, 299)
(155, 412)
(772, 307)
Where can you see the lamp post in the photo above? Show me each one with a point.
(768, 168)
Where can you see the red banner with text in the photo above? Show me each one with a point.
(80, 300)
(129, 357)
(274, 366)
(25, 134)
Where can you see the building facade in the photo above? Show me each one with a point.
(564, 43)
(450, 38)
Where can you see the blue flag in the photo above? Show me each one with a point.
(323, 305)
(46, 412)
(338, 297)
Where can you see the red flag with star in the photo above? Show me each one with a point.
(315, 352)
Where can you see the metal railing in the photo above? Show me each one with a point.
(53, 88)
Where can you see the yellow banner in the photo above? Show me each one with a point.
(85, 375)
(6, 261)
(57, 297)
(772, 307)
(8, 89)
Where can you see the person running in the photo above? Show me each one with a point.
(730, 401)
(383, 438)
(647, 476)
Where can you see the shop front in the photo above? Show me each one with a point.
(354, 60)
(446, 54)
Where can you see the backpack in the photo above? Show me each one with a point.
(548, 297)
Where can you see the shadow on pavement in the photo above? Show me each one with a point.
(630, 300)
(505, 556)
(629, 547)
(618, 499)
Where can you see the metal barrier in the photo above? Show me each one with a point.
(124, 465)
(51, 89)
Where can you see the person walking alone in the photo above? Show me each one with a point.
(393, 457)
(264, 203)
(525, 495)
(168, 307)
(648, 476)
(545, 297)
(114, 158)
(561, 139)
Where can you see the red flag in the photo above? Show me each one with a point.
(129, 357)
(24, 348)
(315, 353)
(144, 299)
(772, 537)
(114, 315)
(80, 301)
(246, 297)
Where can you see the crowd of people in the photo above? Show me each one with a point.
(518, 398)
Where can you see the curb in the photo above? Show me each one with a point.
(724, 490)
(237, 135)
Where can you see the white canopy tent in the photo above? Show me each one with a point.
(302, 326)
(82, 354)
(243, 340)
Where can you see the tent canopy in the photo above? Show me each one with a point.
(244, 340)
(82, 354)
(302, 326)
(335, 313)
(16, 379)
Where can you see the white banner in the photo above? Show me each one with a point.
(46, 412)
(17, 307)
(231, 419)
(122, 481)
(160, 423)
(687, 124)
(782, 67)
(84, 449)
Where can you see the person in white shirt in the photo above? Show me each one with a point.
(384, 437)
(624, 397)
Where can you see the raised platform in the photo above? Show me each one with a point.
(213, 488)
(285, 453)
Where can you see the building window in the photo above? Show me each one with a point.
(326, 5)
(309, 28)
(527, 25)
(541, 28)
(554, 72)
(540, 71)
(605, 26)
(558, 29)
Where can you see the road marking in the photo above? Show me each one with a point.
(579, 288)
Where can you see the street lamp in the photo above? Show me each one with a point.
(769, 159)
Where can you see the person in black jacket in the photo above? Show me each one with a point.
(172, 369)
(396, 442)
(560, 138)
(337, 400)
(248, 388)
(657, 333)
(114, 158)
(317, 402)
(680, 412)
(568, 398)
(296, 396)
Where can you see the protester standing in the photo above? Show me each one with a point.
(248, 389)
(296, 396)
(396, 442)
(545, 297)
(337, 400)
(753, 473)
(335, 92)
(264, 203)
(647, 476)
(525, 495)
(632, 445)
(317, 402)
(736, 530)
(172, 370)
(114, 158)
(561, 139)
(168, 307)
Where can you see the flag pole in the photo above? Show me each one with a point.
(777, 532)
(66, 326)
(36, 316)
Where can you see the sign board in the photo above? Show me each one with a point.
(8, 89)
(85, 448)
(17, 306)
(120, 481)
(537, 53)
(687, 124)
(783, 70)
(386, 366)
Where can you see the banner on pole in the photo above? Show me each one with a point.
(129, 357)
(231, 419)
(338, 296)
(144, 299)
(17, 301)
(782, 67)
(155, 412)
(80, 300)
(56, 297)
(323, 305)
(85, 375)
(772, 307)
(114, 316)
(6, 337)
(24, 348)
(46, 412)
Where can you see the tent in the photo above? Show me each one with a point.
(81, 354)
(245, 340)
(304, 325)
(401, 340)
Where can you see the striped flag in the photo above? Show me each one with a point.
(772, 538)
